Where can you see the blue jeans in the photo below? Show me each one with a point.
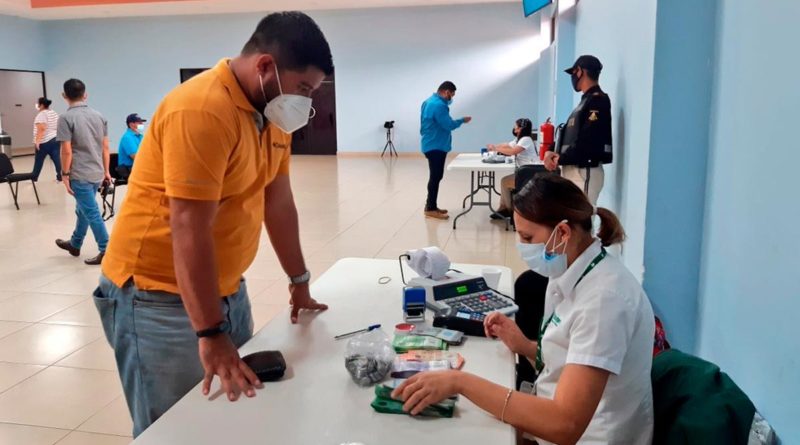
(88, 213)
(50, 148)
(155, 345)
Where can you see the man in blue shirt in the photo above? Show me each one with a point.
(436, 127)
(129, 144)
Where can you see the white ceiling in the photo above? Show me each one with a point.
(22, 8)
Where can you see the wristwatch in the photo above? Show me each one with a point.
(221, 328)
(64, 173)
(301, 279)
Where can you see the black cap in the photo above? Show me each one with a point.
(133, 118)
(590, 63)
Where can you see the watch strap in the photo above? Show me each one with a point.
(301, 279)
(221, 328)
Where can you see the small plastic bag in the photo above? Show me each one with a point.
(369, 357)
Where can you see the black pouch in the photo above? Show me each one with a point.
(269, 366)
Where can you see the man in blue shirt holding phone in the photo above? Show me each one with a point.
(436, 127)
(129, 144)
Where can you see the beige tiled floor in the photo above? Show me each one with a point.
(58, 382)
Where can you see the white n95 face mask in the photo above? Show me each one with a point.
(289, 112)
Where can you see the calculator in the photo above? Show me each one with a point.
(481, 303)
(464, 293)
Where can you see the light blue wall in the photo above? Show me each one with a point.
(22, 43)
(565, 98)
(544, 95)
(621, 33)
(678, 154)
(387, 62)
(750, 285)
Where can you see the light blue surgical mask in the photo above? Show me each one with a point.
(549, 264)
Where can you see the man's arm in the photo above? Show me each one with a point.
(106, 159)
(66, 164)
(191, 223)
(281, 221)
(442, 117)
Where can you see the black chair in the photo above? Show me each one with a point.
(13, 179)
(120, 178)
(521, 177)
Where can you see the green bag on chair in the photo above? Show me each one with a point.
(696, 403)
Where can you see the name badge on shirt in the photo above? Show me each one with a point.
(527, 388)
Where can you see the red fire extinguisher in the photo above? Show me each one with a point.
(546, 130)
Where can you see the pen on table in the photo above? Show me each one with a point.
(371, 328)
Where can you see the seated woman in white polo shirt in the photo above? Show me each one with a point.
(524, 149)
(594, 351)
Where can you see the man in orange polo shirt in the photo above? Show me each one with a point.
(212, 169)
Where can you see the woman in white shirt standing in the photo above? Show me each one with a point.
(594, 350)
(524, 150)
(44, 138)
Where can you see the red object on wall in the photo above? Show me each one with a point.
(546, 130)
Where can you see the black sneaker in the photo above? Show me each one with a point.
(66, 245)
(96, 260)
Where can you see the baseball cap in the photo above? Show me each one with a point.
(587, 62)
(133, 118)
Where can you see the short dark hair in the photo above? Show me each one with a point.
(45, 102)
(594, 75)
(74, 89)
(294, 39)
(447, 86)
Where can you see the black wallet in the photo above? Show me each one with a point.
(269, 366)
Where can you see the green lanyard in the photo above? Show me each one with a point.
(589, 268)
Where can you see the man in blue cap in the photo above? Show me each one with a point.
(129, 144)
(585, 141)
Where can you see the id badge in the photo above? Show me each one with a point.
(527, 388)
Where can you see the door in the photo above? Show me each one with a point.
(19, 91)
(319, 136)
(188, 73)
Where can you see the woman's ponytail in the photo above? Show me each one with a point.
(611, 231)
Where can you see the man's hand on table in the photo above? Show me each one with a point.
(301, 300)
(219, 357)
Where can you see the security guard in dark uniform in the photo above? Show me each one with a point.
(583, 144)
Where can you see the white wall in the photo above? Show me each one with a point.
(387, 62)
(621, 33)
(23, 44)
(750, 287)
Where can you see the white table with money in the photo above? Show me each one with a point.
(317, 402)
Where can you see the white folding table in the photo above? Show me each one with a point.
(317, 402)
(482, 177)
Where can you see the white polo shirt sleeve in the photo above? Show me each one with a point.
(601, 331)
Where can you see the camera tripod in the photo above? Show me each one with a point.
(389, 144)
